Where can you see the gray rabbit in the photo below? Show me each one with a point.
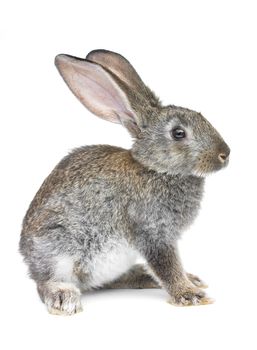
(102, 207)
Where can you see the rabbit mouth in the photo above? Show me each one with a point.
(206, 168)
(211, 161)
(207, 164)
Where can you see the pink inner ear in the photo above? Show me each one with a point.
(95, 88)
(100, 97)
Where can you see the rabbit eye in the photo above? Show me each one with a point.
(178, 133)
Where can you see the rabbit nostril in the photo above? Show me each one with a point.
(222, 157)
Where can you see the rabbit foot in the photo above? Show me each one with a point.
(190, 296)
(60, 298)
(196, 281)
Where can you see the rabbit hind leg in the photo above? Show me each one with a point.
(53, 271)
(60, 293)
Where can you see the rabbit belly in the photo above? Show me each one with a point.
(111, 263)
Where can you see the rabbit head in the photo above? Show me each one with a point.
(167, 139)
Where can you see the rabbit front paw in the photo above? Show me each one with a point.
(188, 296)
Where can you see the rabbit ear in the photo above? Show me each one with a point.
(118, 65)
(98, 91)
(121, 67)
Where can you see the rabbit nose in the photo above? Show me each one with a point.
(223, 156)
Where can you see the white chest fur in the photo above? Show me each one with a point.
(114, 260)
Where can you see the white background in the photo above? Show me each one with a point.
(197, 54)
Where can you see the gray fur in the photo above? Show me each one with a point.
(136, 278)
(101, 201)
